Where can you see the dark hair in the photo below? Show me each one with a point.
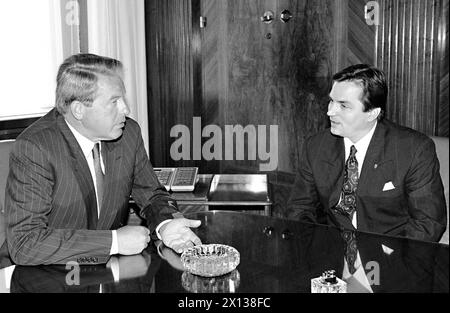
(373, 83)
(78, 76)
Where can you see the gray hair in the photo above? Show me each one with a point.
(78, 76)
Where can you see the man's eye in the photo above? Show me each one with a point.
(344, 106)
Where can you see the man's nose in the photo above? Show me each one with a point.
(331, 109)
(124, 108)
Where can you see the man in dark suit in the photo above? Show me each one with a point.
(366, 172)
(73, 171)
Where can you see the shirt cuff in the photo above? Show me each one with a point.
(114, 244)
(159, 226)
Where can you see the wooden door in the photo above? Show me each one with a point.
(268, 74)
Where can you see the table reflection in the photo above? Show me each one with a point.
(270, 262)
(134, 274)
(227, 283)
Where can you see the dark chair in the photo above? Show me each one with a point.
(442, 154)
(5, 148)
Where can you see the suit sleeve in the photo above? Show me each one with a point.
(426, 202)
(304, 200)
(28, 203)
(151, 197)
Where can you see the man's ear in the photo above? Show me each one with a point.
(373, 114)
(77, 109)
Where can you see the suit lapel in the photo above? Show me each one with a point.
(112, 155)
(80, 168)
(374, 162)
(333, 159)
(375, 156)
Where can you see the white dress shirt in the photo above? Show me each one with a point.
(86, 146)
(361, 149)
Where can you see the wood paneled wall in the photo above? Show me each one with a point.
(361, 36)
(171, 56)
(443, 124)
(408, 51)
(410, 45)
(268, 74)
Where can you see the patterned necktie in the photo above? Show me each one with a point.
(98, 174)
(347, 205)
(351, 249)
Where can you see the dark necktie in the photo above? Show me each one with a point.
(351, 249)
(347, 205)
(98, 174)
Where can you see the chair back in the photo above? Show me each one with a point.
(442, 155)
(5, 149)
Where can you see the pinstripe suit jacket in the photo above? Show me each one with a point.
(50, 188)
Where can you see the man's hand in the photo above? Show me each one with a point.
(177, 235)
(132, 239)
(170, 256)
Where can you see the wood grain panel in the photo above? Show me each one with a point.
(361, 36)
(340, 35)
(281, 80)
(443, 126)
(407, 52)
(214, 82)
(249, 66)
(171, 73)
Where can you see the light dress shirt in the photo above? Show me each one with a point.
(361, 149)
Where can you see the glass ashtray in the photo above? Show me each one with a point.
(209, 260)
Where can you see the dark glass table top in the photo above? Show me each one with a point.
(276, 256)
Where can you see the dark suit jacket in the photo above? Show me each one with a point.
(415, 208)
(50, 188)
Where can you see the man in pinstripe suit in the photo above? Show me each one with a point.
(66, 203)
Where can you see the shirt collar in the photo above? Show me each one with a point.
(86, 144)
(363, 143)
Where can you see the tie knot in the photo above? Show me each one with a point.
(96, 151)
(353, 151)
